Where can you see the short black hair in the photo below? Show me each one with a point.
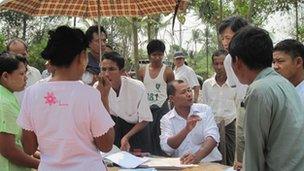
(155, 46)
(115, 57)
(253, 46)
(9, 62)
(234, 22)
(219, 53)
(292, 47)
(171, 88)
(64, 45)
(94, 29)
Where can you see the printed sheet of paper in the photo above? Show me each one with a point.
(126, 160)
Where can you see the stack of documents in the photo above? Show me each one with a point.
(128, 161)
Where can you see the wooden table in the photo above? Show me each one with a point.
(208, 167)
(201, 167)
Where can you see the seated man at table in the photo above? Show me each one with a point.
(189, 130)
(128, 105)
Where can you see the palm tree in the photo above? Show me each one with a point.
(196, 37)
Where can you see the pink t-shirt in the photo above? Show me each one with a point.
(65, 116)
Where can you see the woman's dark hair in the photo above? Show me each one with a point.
(64, 45)
(10, 62)
(115, 57)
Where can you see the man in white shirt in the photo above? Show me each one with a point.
(185, 73)
(19, 47)
(222, 99)
(227, 30)
(288, 57)
(128, 105)
(189, 130)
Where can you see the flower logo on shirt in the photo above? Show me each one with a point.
(50, 98)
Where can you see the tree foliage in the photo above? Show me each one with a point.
(120, 30)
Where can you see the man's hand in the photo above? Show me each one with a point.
(124, 144)
(237, 165)
(37, 154)
(189, 158)
(104, 85)
(191, 122)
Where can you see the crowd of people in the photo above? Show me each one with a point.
(84, 103)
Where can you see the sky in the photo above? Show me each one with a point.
(279, 25)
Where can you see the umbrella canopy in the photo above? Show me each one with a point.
(89, 8)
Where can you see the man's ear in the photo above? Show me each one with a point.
(238, 63)
(4, 76)
(122, 71)
(82, 59)
(299, 62)
(171, 98)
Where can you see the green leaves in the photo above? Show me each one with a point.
(181, 18)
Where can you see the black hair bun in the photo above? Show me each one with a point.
(64, 45)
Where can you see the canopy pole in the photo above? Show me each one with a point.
(99, 23)
(175, 13)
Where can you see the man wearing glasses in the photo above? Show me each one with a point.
(93, 68)
(188, 130)
(128, 105)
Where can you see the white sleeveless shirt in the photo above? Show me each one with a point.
(156, 88)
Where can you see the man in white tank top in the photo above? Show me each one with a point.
(155, 77)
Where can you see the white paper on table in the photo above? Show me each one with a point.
(138, 169)
(126, 160)
(107, 162)
(114, 149)
(166, 163)
(229, 169)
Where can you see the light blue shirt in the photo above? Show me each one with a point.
(300, 90)
(274, 124)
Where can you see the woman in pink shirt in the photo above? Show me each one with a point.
(63, 116)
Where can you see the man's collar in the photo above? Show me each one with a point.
(301, 84)
(174, 114)
(178, 68)
(264, 73)
(214, 83)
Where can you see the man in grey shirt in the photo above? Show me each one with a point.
(274, 120)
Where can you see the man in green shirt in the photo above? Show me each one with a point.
(274, 120)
